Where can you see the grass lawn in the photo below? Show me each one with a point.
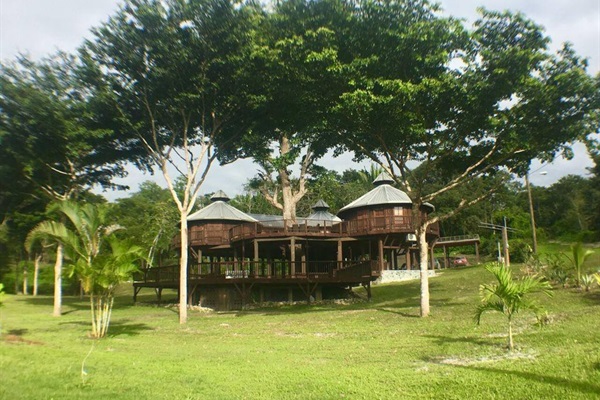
(377, 350)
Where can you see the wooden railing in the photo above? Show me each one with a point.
(286, 228)
(368, 226)
(458, 239)
(348, 270)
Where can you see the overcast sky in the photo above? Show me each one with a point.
(40, 27)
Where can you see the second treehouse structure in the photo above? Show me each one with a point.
(237, 258)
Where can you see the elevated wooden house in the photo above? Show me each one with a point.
(237, 258)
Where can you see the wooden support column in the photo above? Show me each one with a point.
(431, 259)
(256, 258)
(290, 295)
(303, 263)
(243, 266)
(243, 294)
(340, 254)
(136, 290)
(477, 253)
(292, 256)
(319, 293)
(408, 260)
(235, 259)
(199, 261)
(445, 257)
(381, 261)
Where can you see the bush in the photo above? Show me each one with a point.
(519, 251)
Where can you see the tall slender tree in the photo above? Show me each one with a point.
(169, 77)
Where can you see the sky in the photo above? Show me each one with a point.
(41, 27)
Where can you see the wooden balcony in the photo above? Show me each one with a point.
(359, 227)
(282, 228)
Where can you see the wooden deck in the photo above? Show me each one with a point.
(261, 272)
(246, 278)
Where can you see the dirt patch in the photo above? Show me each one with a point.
(461, 361)
(16, 339)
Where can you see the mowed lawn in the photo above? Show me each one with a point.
(376, 350)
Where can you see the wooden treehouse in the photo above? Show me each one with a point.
(238, 258)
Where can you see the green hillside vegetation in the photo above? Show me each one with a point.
(355, 349)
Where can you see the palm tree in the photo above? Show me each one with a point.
(101, 277)
(367, 176)
(580, 255)
(508, 296)
(81, 237)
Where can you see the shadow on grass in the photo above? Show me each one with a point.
(122, 327)
(582, 387)
(440, 340)
(402, 313)
(74, 303)
(17, 332)
(592, 298)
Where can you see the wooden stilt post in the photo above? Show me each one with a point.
(159, 295)
(243, 295)
(381, 260)
(477, 253)
(292, 256)
(340, 255)
(318, 293)
(290, 295)
(235, 260)
(199, 261)
(136, 290)
(303, 264)
(408, 260)
(256, 258)
(445, 257)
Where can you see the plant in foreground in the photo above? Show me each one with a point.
(84, 236)
(101, 277)
(587, 281)
(579, 256)
(507, 296)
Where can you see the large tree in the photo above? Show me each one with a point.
(423, 91)
(48, 151)
(296, 50)
(169, 77)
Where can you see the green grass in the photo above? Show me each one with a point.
(377, 350)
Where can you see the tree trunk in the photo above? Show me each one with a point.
(289, 204)
(25, 280)
(93, 312)
(424, 269)
(511, 345)
(58, 281)
(183, 261)
(36, 273)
